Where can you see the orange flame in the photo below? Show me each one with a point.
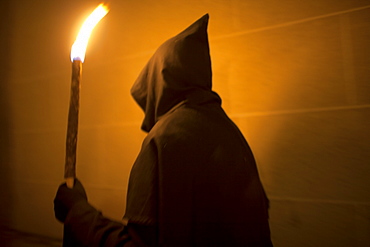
(79, 47)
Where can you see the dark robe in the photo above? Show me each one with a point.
(195, 180)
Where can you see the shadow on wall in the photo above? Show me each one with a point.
(5, 181)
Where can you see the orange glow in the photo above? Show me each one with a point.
(79, 47)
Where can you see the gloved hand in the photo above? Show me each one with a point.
(66, 198)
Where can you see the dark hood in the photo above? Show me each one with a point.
(178, 72)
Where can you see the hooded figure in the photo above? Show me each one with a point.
(195, 180)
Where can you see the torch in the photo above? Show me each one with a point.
(77, 57)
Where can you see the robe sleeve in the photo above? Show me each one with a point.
(86, 226)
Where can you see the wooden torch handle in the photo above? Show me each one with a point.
(72, 130)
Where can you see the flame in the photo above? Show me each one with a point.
(79, 47)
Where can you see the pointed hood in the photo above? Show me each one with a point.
(178, 72)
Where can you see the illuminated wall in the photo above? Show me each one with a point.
(293, 75)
